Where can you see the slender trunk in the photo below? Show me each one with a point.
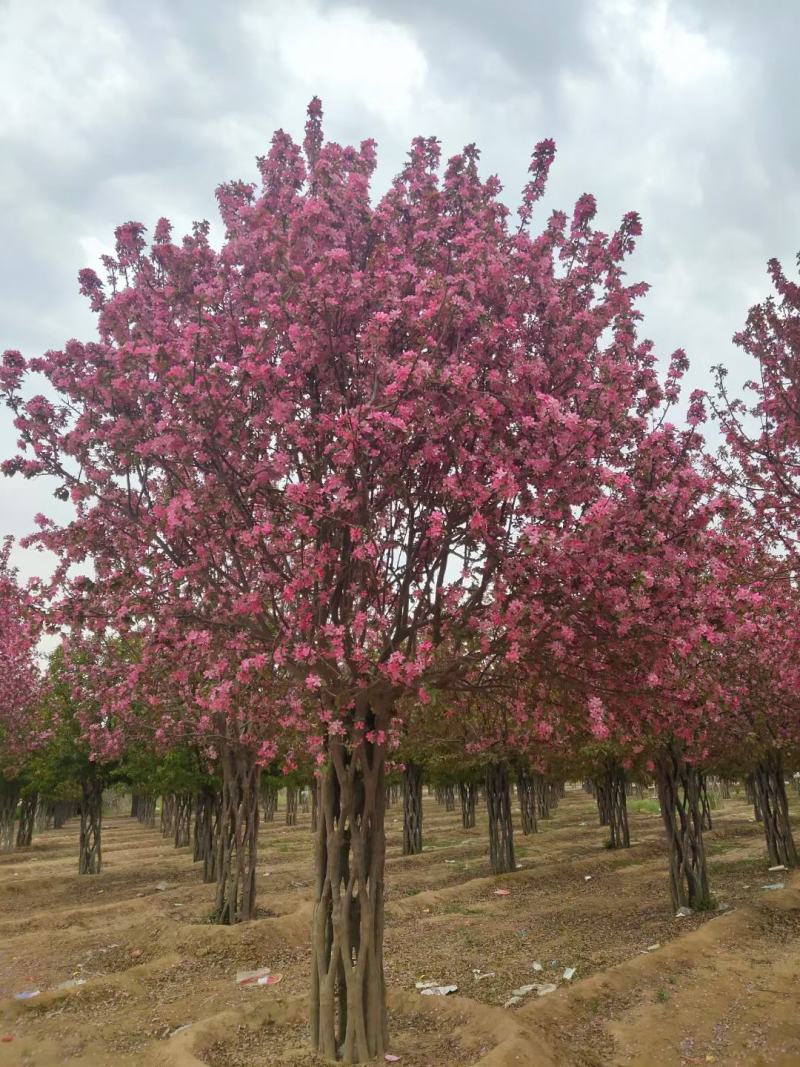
(135, 801)
(527, 801)
(169, 805)
(542, 796)
(291, 805)
(304, 801)
(679, 794)
(449, 798)
(348, 991)
(90, 859)
(206, 831)
(774, 805)
(501, 827)
(9, 795)
(601, 797)
(469, 793)
(725, 788)
(183, 819)
(269, 801)
(237, 847)
(705, 803)
(27, 818)
(314, 805)
(616, 804)
(412, 809)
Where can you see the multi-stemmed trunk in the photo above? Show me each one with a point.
(237, 845)
(314, 805)
(752, 794)
(206, 831)
(291, 805)
(527, 801)
(90, 857)
(449, 798)
(183, 819)
(543, 796)
(412, 809)
(601, 798)
(705, 803)
(468, 792)
(269, 801)
(27, 818)
(348, 993)
(770, 791)
(679, 795)
(9, 796)
(146, 810)
(615, 804)
(168, 804)
(501, 827)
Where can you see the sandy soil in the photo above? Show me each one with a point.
(158, 979)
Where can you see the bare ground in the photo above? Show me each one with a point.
(158, 979)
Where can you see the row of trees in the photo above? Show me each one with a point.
(396, 480)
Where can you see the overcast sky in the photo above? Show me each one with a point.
(684, 110)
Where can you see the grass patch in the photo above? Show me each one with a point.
(645, 807)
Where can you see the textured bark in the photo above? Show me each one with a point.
(237, 846)
(291, 805)
(168, 815)
(27, 818)
(90, 860)
(9, 796)
(542, 796)
(469, 794)
(616, 805)
(679, 795)
(527, 801)
(183, 819)
(269, 801)
(314, 805)
(348, 992)
(412, 809)
(771, 792)
(705, 803)
(501, 827)
(601, 798)
(206, 831)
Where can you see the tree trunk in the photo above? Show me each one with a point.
(237, 847)
(774, 805)
(291, 805)
(61, 812)
(412, 809)
(469, 793)
(542, 796)
(135, 800)
(601, 797)
(9, 795)
(705, 803)
(348, 992)
(304, 801)
(27, 817)
(527, 801)
(168, 806)
(269, 800)
(449, 798)
(206, 832)
(616, 805)
(183, 819)
(90, 858)
(501, 827)
(314, 805)
(679, 794)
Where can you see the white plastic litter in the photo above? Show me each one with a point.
(773, 885)
(683, 912)
(545, 988)
(569, 974)
(587, 878)
(161, 886)
(512, 1001)
(777, 867)
(71, 983)
(537, 966)
(27, 994)
(434, 989)
(480, 975)
(652, 948)
(524, 990)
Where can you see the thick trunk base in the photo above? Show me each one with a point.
(237, 847)
(90, 860)
(412, 810)
(771, 794)
(679, 795)
(501, 827)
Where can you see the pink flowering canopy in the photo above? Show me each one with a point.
(19, 674)
(362, 450)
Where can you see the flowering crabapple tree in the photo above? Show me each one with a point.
(19, 690)
(326, 454)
